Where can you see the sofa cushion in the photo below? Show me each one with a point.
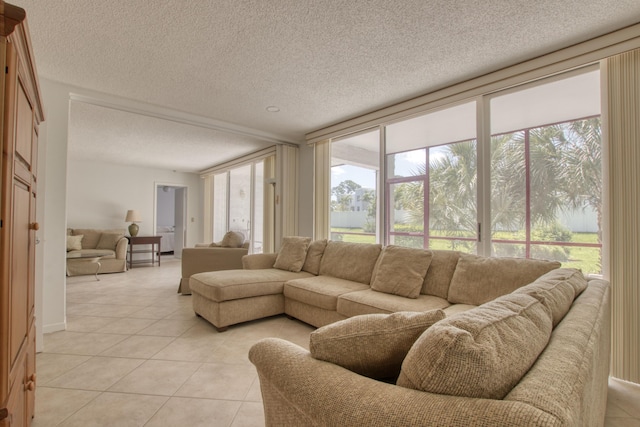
(372, 345)
(350, 261)
(292, 253)
(229, 285)
(440, 272)
(400, 271)
(556, 290)
(480, 353)
(74, 243)
(320, 291)
(91, 237)
(232, 239)
(109, 240)
(369, 301)
(477, 279)
(314, 256)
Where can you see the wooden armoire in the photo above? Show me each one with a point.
(20, 114)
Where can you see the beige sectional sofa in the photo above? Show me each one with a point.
(96, 241)
(334, 282)
(409, 337)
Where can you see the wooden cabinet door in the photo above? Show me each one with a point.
(17, 239)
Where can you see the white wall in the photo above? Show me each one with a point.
(99, 195)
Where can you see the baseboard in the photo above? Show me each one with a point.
(54, 327)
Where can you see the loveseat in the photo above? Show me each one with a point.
(96, 241)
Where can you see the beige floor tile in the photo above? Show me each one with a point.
(621, 422)
(250, 414)
(180, 411)
(88, 323)
(233, 351)
(254, 395)
(183, 313)
(89, 343)
(168, 327)
(116, 409)
(219, 381)
(50, 365)
(54, 405)
(97, 373)
(138, 346)
(102, 310)
(625, 395)
(197, 349)
(126, 325)
(157, 377)
(55, 338)
(153, 312)
(202, 328)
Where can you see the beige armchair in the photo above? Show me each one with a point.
(224, 255)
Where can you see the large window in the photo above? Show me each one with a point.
(354, 174)
(546, 172)
(433, 206)
(239, 203)
(514, 173)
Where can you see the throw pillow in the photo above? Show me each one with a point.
(314, 256)
(292, 253)
(74, 243)
(232, 239)
(479, 353)
(372, 345)
(401, 271)
(109, 240)
(478, 279)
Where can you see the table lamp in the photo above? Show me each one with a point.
(133, 217)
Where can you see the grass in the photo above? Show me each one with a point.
(584, 258)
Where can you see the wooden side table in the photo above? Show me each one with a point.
(154, 241)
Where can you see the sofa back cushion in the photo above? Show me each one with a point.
(556, 290)
(440, 272)
(314, 256)
(92, 236)
(109, 240)
(477, 279)
(292, 254)
(400, 271)
(372, 345)
(350, 261)
(480, 353)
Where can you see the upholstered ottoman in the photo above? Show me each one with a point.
(233, 296)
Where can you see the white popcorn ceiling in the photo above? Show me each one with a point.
(319, 61)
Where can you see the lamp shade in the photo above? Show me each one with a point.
(133, 216)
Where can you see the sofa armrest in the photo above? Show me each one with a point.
(200, 260)
(300, 390)
(258, 261)
(121, 248)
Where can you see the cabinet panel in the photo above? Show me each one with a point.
(18, 286)
(24, 127)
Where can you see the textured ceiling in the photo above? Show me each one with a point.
(319, 61)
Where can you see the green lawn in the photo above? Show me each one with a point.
(586, 259)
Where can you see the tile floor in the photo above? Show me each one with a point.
(134, 354)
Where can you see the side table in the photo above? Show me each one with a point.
(154, 241)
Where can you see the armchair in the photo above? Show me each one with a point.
(224, 255)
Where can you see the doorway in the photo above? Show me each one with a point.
(171, 217)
